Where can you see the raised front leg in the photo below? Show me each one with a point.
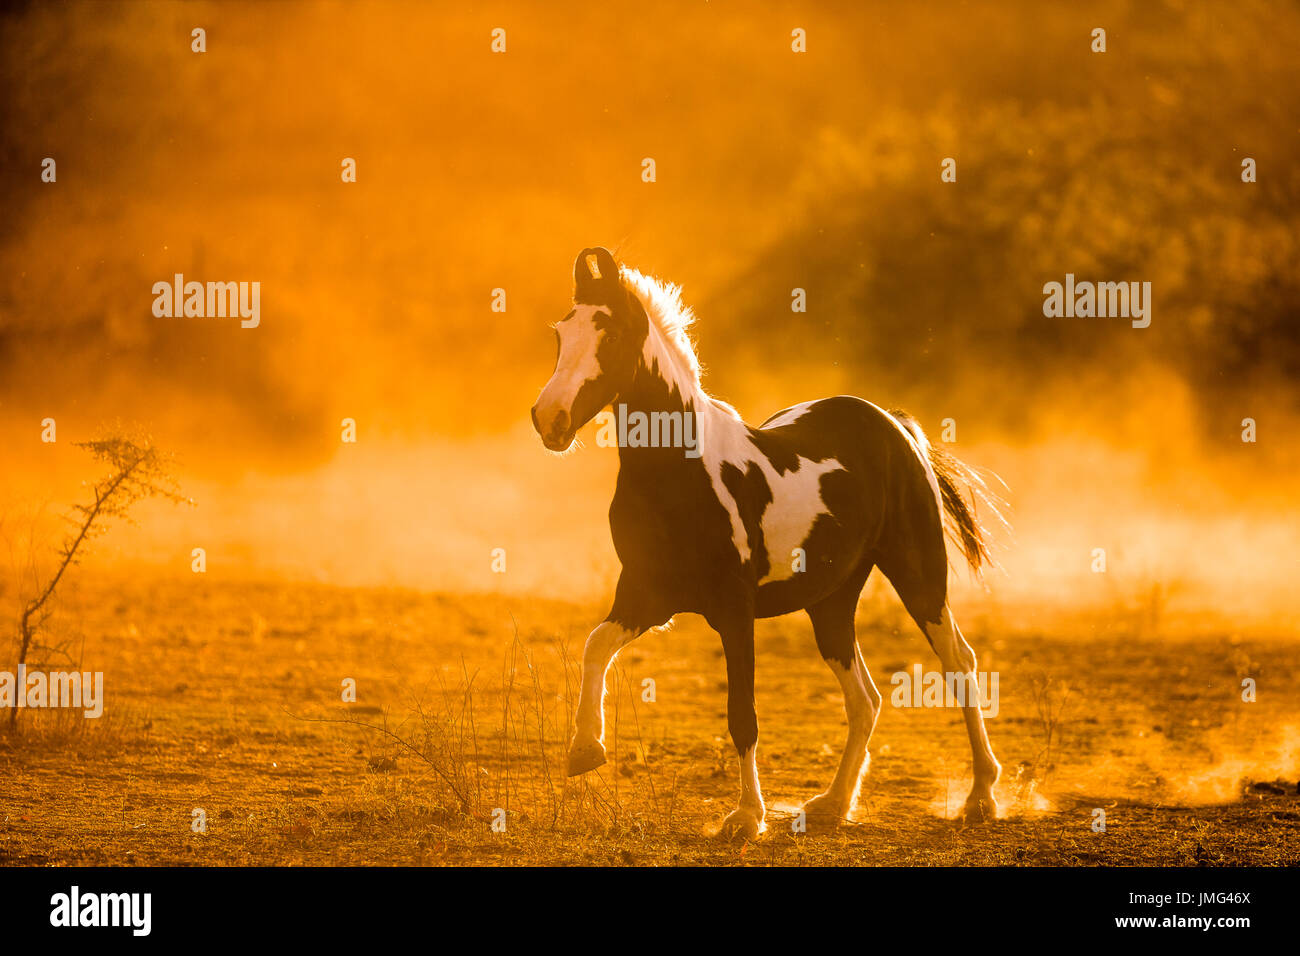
(737, 634)
(587, 750)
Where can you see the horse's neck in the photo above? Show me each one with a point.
(656, 387)
(655, 390)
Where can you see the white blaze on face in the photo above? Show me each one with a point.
(576, 365)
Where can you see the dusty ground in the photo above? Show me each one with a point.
(227, 698)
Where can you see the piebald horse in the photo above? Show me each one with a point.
(756, 522)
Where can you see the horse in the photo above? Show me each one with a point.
(755, 523)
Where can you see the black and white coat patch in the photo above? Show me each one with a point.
(792, 515)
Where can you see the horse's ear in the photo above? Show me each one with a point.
(601, 285)
(582, 268)
(606, 264)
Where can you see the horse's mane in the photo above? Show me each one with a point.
(663, 304)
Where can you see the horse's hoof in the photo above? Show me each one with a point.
(980, 808)
(824, 812)
(741, 823)
(585, 758)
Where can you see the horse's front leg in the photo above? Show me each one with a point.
(587, 751)
(737, 633)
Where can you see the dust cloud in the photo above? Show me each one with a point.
(480, 171)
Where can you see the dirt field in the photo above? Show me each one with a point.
(227, 698)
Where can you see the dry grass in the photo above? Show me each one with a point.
(228, 698)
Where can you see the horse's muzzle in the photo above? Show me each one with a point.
(556, 433)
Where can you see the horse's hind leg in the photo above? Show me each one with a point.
(958, 658)
(832, 621)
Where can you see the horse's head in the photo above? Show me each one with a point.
(599, 345)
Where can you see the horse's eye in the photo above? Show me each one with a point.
(611, 335)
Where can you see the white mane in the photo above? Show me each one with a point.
(668, 344)
(663, 304)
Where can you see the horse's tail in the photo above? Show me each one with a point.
(953, 477)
